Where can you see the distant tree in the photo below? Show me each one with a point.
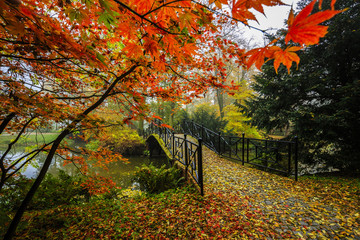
(320, 101)
(167, 110)
(237, 121)
(208, 116)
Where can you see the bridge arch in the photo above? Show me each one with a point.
(155, 147)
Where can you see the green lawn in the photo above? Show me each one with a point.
(29, 139)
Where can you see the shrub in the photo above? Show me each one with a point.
(122, 140)
(207, 115)
(53, 191)
(156, 180)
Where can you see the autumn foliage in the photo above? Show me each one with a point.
(62, 60)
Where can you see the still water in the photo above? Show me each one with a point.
(120, 172)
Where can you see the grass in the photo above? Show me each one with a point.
(29, 139)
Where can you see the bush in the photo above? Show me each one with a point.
(53, 191)
(156, 180)
(126, 141)
(122, 140)
(206, 115)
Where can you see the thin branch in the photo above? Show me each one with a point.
(144, 18)
(229, 17)
(164, 5)
(16, 139)
(37, 151)
(182, 77)
(34, 59)
(78, 168)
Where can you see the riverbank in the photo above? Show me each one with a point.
(28, 139)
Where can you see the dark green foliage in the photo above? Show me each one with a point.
(155, 180)
(320, 101)
(207, 116)
(54, 191)
(181, 116)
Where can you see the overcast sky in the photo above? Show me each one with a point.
(275, 17)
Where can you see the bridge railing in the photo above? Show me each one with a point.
(183, 150)
(275, 155)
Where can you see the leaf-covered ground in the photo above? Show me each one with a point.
(239, 203)
(322, 208)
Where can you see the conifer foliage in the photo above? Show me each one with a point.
(320, 101)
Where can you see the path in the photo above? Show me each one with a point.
(279, 207)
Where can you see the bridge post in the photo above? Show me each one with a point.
(243, 148)
(219, 143)
(247, 150)
(296, 157)
(202, 131)
(173, 146)
(229, 146)
(200, 167)
(186, 156)
(289, 158)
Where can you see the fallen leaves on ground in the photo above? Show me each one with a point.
(312, 208)
(239, 203)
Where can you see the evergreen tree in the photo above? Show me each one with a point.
(319, 101)
(207, 115)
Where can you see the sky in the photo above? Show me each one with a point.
(275, 17)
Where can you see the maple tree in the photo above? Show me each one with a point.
(62, 60)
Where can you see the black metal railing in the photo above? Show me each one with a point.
(186, 152)
(276, 155)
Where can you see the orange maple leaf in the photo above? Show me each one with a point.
(332, 5)
(133, 50)
(286, 57)
(258, 4)
(166, 125)
(151, 47)
(304, 28)
(257, 56)
(218, 3)
(241, 13)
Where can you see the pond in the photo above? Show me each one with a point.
(120, 172)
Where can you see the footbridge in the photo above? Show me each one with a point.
(183, 145)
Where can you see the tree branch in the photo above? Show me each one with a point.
(144, 18)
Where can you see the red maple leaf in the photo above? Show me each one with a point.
(305, 28)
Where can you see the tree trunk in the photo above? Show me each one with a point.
(16, 220)
(5, 122)
(220, 98)
(141, 126)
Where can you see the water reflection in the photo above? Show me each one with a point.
(120, 172)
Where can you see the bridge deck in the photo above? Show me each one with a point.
(288, 207)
